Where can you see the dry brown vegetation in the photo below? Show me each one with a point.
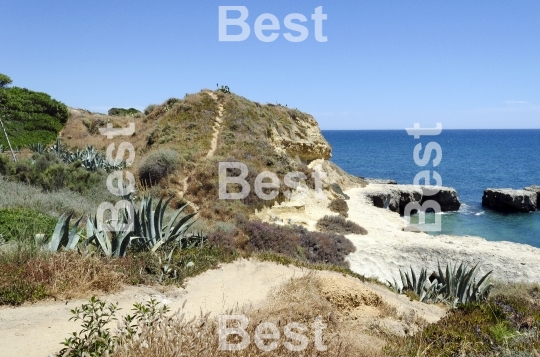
(348, 310)
(339, 205)
(31, 276)
(339, 225)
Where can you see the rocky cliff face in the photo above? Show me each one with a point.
(302, 139)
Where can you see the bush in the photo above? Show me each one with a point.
(123, 112)
(31, 117)
(297, 242)
(50, 173)
(24, 223)
(339, 205)
(339, 225)
(149, 109)
(158, 166)
(223, 240)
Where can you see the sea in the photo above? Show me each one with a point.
(472, 160)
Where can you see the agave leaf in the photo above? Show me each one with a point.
(60, 234)
(403, 279)
(73, 236)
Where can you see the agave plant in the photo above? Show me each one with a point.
(455, 285)
(39, 148)
(114, 243)
(425, 290)
(63, 236)
(151, 232)
(460, 286)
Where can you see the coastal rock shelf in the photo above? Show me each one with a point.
(396, 197)
(536, 189)
(509, 200)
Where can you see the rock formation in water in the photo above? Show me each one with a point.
(396, 197)
(509, 200)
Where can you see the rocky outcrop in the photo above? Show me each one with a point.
(536, 189)
(302, 139)
(379, 181)
(509, 200)
(396, 197)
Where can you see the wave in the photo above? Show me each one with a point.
(470, 210)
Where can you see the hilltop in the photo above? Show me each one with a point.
(206, 128)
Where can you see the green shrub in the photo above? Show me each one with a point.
(51, 174)
(123, 112)
(339, 225)
(24, 223)
(30, 117)
(501, 326)
(158, 166)
(339, 205)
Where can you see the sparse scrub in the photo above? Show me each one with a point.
(339, 225)
(151, 332)
(297, 242)
(150, 108)
(16, 194)
(339, 205)
(158, 165)
(223, 239)
(503, 325)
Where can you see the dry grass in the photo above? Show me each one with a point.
(31, 276)
(301, 300)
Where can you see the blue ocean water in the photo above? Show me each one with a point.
(472, 160)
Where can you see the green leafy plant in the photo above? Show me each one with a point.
(96, 339)
(23, 223)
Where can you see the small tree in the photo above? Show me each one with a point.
(4, 82)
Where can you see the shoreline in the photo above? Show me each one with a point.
(387, 248)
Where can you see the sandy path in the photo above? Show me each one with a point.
(37, 330)
(217, 126)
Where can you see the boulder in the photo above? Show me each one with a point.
(396, 197)
(447, 197)
(536, 189)
(509, 200)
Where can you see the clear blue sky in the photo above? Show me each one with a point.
(386, 64)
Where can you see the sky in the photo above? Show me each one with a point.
(385, 64)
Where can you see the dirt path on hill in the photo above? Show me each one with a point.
(217, 125)
(36, 330)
